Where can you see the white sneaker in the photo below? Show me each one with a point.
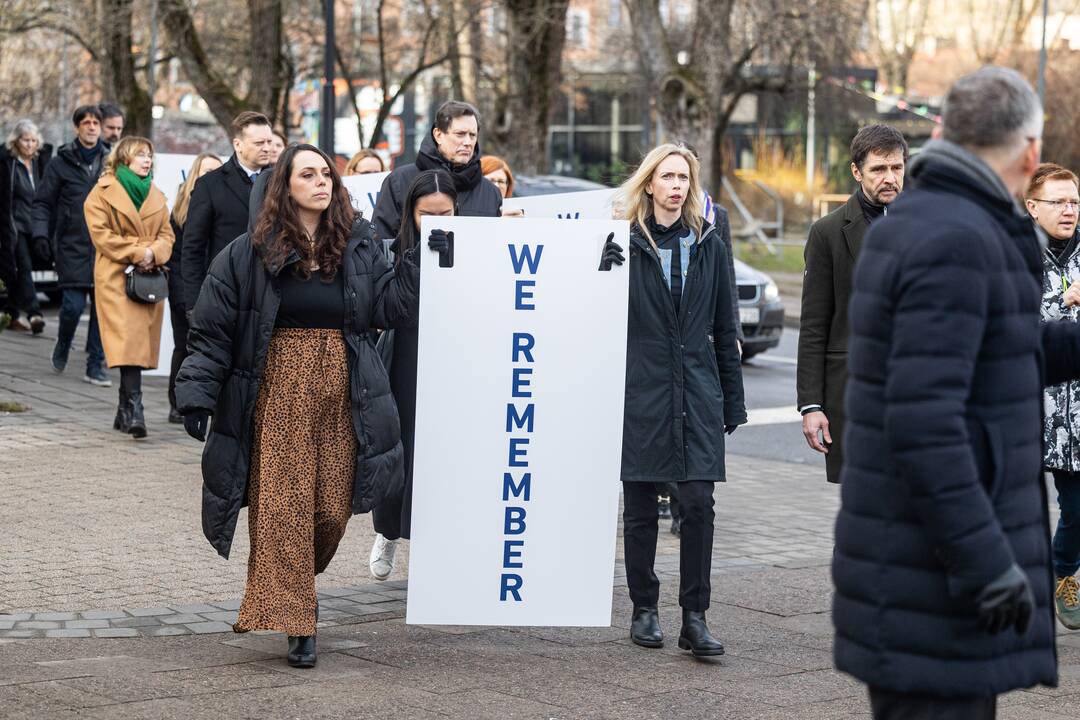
(381, 562)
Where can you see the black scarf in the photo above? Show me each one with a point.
(466, 176)
(88, 155)
(870, 211)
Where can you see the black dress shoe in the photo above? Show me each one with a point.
(695, 635)
(302, 651)
(645, 628)
(676, 527)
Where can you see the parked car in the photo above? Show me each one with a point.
(760, 310)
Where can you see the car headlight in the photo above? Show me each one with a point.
(771, 291)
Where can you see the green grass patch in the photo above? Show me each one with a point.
(788, 258)
(10, 406)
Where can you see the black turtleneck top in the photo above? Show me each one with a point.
(871, 211)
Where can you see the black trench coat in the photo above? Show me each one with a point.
(683, 374)
(230, 334)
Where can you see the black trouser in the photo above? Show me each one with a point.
(178, 318)
(673, 498)
(19, 278)
(640, 524)
(889, 705)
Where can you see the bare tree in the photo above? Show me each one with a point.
(699, 70)
(897, 29)
(266, 67)
(119, 78)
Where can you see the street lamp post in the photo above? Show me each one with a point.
(327, 108)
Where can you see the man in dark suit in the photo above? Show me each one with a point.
(218, 212)
(879, 154)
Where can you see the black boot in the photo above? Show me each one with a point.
(695, 635)
(123, 412)
(645, 628)
(175, 417)
(137, 426)
(302, 651)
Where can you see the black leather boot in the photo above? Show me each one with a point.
(302, 651)
(123, 412)
(645, 628)
(695, 635)
(137, 424)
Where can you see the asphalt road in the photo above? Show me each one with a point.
(775, 428)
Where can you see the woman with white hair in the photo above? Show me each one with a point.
(22, 164)
(684, 387)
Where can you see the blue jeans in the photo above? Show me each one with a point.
(72, 304)
(1067, 535)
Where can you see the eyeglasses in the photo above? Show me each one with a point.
(1060, 204)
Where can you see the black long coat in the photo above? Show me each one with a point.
(831, 250)
(477, 197)
(683, 375)
(217, 215)
(942, 483)
(8, 166)
(230, 333)
(58, 214)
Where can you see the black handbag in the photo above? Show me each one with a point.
(148, 288)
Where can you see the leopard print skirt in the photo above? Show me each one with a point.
(300, 490)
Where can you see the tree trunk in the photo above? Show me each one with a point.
(267, 58)
(118, 66)
(536, 32)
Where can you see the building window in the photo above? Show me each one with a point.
(577, 28)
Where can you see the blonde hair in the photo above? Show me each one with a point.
(634, 204)
(125, 151)
(23, 127)
(354, 161)
(183, 195)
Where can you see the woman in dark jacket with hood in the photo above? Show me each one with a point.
(431, 193)
(683, 385)
(283, 358)
(452, 146)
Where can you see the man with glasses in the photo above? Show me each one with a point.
(1052, 199)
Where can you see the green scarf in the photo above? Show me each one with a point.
(137, 187)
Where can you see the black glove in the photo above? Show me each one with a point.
(729, 429)
(442, 242)
(195, 422)
(43, 248)
(1006, 602)
(612, 253)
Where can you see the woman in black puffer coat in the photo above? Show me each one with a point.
(305, 429)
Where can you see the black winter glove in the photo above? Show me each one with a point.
(442, 242)
(43, 248)
(730, 429)
(612, 253)
(1006, 602)
(195, 422)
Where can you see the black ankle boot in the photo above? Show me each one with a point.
(695, 635)
(645, 628)
(302, 651)
(123, 412)
(137, 425)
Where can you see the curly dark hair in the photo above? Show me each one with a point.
(278, 230)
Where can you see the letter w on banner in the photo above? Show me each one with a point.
(519, 417)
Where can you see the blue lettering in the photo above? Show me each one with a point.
(521, 421)
(523, 345)
(521, 383)
(517, 454)
(373, 199)
(568, 216)
(514, 521)
(520, 489)
(526, 256)
(510, 584)
(521, 295)
(510, 553)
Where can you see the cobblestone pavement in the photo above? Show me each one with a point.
(112, 605)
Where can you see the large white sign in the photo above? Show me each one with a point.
(586, 205)
(364, 190)
(520, 386)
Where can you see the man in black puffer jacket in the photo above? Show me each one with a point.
(943, 586)
(453, 146)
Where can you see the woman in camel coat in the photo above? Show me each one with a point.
(129, 226)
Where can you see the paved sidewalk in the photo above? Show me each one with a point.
(103, 552)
